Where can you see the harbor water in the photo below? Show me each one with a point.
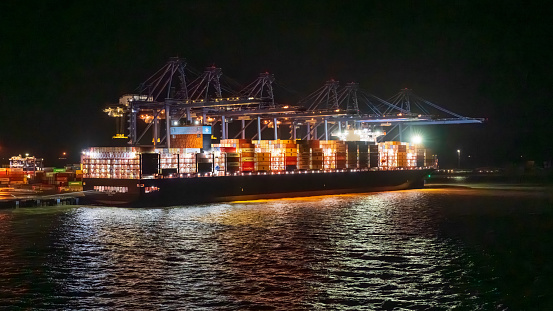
(484, 247)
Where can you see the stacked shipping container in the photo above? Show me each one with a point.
(111, 162)
(49, 178)
(394, 154)
(12, 176)
(241, 155)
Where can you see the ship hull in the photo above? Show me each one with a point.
(185, 191)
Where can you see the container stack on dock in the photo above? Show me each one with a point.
(61, 179)
(12, 176)
(68, 178)
(4, 179)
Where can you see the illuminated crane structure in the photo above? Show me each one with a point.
(167, 100)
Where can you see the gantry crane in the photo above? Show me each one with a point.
(167, 99)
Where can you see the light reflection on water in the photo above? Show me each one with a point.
(417, 249)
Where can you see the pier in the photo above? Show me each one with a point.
(15, 198)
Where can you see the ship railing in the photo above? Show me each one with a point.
(283, 172)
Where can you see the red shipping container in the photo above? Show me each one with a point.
(247, 164)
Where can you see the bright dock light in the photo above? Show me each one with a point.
(417, 139)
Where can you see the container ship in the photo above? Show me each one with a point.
(240, 169)
(173, 158)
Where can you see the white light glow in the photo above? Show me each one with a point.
(417, 139)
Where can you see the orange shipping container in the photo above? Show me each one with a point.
(187, 141)
(263, 168)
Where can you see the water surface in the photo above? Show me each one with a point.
(481, 248)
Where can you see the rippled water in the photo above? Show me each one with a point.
(430, 249)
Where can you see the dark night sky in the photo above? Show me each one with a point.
(61, 62)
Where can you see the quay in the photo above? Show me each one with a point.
(10, 198)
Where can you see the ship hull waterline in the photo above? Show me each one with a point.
(187, 191)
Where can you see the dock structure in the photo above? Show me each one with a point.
(41, 200)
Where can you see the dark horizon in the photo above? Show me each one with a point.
(62, 63)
